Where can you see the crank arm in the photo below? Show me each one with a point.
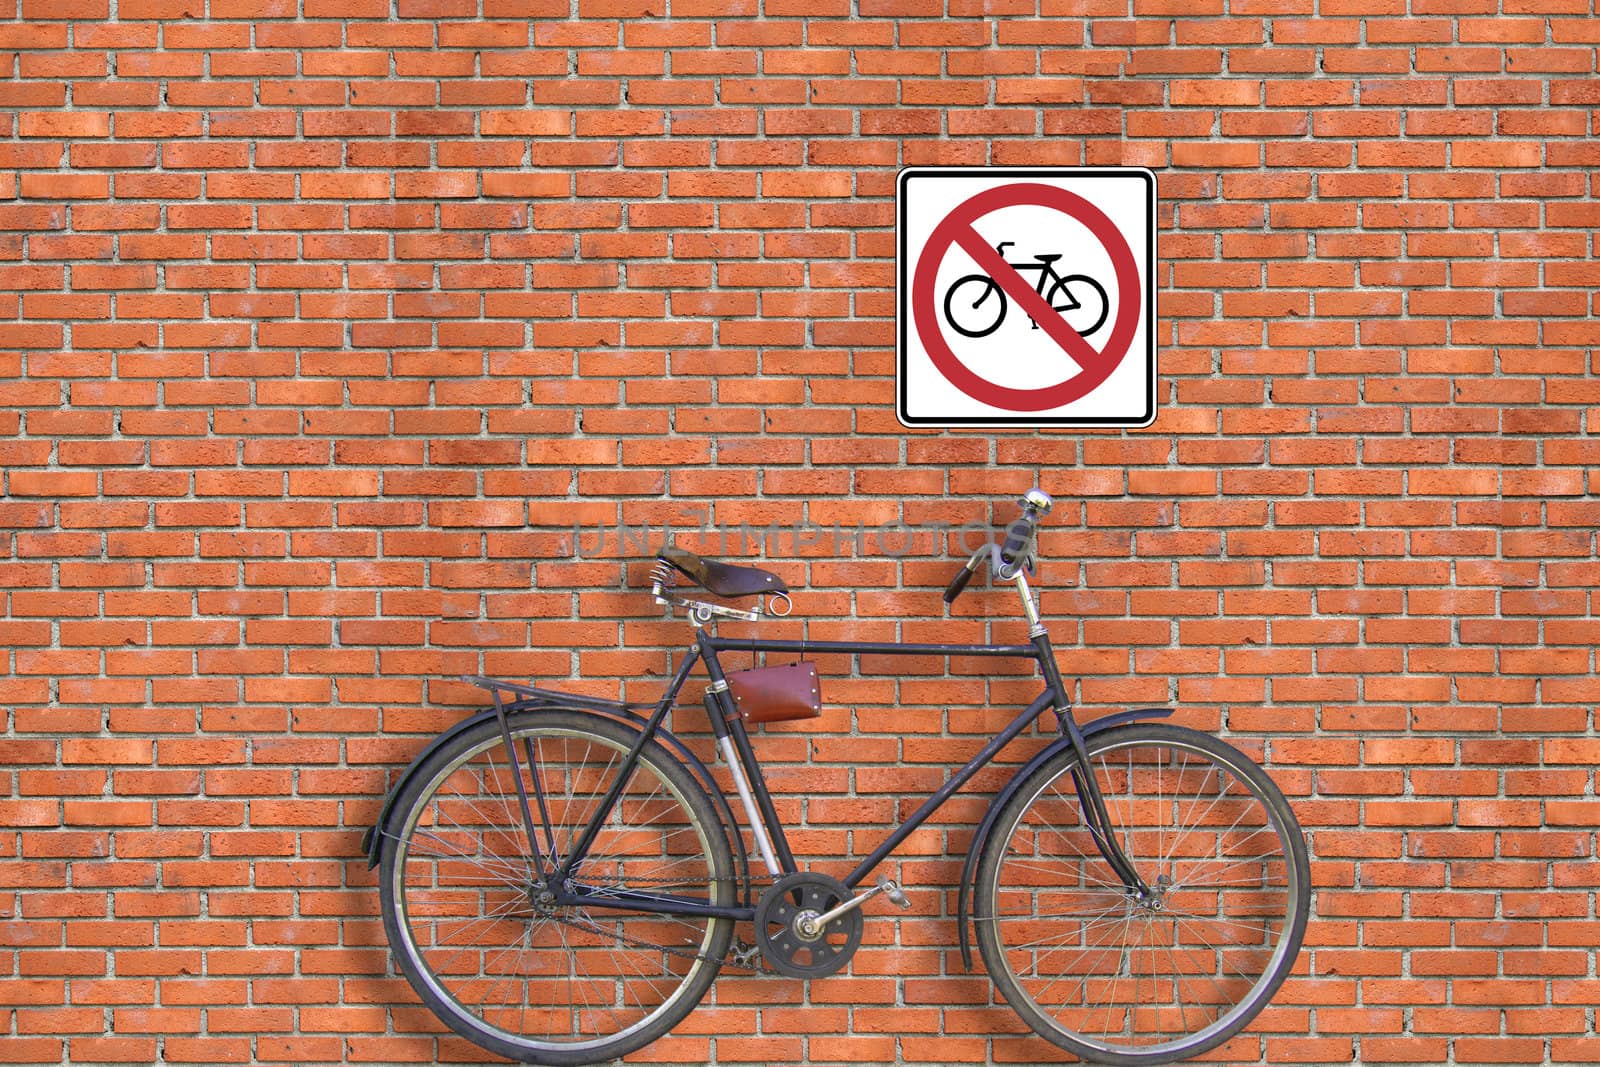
(886, 885)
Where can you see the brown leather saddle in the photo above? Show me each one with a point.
(723, 579)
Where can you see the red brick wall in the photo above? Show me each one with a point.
(321, 321)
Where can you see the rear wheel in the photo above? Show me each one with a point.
(480, 935)
(1116, 979)
(973, 313)
(1086, 305)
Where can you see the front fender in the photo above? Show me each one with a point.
(969, 869)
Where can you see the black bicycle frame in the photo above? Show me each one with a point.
(725, 722)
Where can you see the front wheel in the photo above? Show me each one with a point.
(1118, 979)
(481, 935)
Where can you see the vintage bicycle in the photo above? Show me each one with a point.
(561, 877)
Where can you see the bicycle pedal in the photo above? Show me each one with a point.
(891, 889)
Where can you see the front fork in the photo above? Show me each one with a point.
(1090, 798)
(1095, 814)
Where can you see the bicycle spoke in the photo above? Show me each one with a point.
(571, 827)
(1111, 1005)
(1253, 883)
(1222, 790)
(1161, 824)
(1206, 973)
(507, 877)
(1084, 864)
(1079, 933)
(446, 844)
(501, 869)
(490, 966)
(634, 828)
(1263, 927)
(522, 1016)
(508, 831)
(1106, 948)
(591, 810)
(1183, 1015)
(502, 911)
(1017, 864)
(1244, 861)
(523, 871)
(1034, 913)
(574, 990)
(443, 967)
(1222, 835)
(623, 960)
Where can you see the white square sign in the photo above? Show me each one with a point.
(1026, 296)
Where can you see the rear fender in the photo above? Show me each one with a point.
(372, 840)
(969, 869)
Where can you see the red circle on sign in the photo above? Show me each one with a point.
(956, 228)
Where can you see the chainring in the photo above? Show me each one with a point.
(780, 916)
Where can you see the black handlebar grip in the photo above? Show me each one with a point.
(958, 583)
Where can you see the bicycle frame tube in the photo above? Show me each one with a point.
(670, 905)
(603, 812)
(734, 741)
(708, 645)
(712, 643)
(1055, 695)
(957, 780)
(657, 903)
(1046, 272)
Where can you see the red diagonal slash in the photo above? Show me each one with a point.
(1028, 299)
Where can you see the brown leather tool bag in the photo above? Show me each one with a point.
(776, 694)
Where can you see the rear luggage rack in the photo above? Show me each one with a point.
(551, 696)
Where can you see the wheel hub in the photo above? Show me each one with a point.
(542, 897)
(1155, 900)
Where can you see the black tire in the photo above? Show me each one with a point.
(951, 305)
(1020, 881)
(454, 867)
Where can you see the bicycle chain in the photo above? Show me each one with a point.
(741, 955)
(745, 957)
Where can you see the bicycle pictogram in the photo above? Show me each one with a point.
(980, 308)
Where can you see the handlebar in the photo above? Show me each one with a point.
(959, 582)
(1006, 561)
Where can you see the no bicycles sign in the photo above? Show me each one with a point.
(1026, 297)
